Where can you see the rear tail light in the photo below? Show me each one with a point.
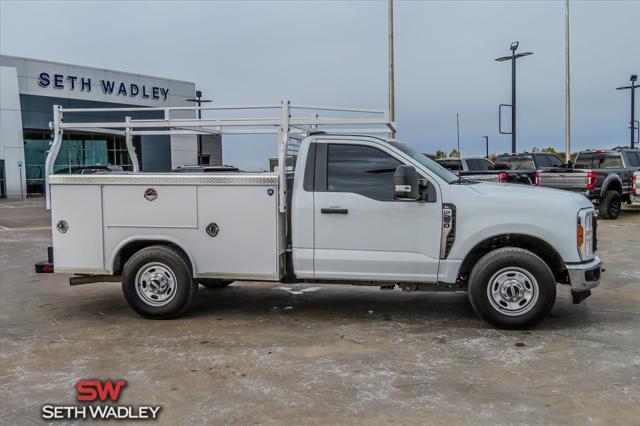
(502, 177)
(536, 179)
(591, 180)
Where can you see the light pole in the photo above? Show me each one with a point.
(392, 94)
(486, 140)
(567, 87)
(513, 57)
(633, 88)
(199, 101)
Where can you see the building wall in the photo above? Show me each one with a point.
(11, 143)
(212, 146)
(30, 87)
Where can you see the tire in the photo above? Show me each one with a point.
(213, 283)
(610, 205)
(157, 283)
(512, 288)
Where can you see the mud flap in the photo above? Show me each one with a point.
(579, 296)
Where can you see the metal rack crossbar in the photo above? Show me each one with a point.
(286, 121)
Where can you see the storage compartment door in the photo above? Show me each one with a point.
(78, 248)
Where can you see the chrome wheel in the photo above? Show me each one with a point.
(155, 284)
(513, 291)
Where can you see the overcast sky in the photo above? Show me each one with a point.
(335, 53)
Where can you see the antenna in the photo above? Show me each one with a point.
(459, 155)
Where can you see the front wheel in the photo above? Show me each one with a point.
(512, 288)
(157, 283)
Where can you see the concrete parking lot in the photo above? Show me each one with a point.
(263, 354)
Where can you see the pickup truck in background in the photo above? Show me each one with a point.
(603, 176)
(479, 168)
(473, 168)
(353, 209)
(526, 167)
(635, 188)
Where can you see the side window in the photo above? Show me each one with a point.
(485, 164)
(472, 164)
(362, 170)
(584, 161)
(541, 160)
(479, 164)
(633, 159)
(554, 161)
(453, 165)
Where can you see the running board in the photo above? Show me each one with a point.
(88, 279)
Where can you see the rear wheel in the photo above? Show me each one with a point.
(157, 283)
(610, 205)
(512, 288)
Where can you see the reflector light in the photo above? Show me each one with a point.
(580, 235)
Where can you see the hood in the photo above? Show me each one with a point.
(528, 194)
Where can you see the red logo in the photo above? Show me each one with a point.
(90, 390)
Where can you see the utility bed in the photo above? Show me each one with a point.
(101, 214)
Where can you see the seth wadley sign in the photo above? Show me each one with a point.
(109, 87)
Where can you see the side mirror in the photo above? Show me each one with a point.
(406, 184)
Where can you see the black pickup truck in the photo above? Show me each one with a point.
(526, 167)
(603, 176)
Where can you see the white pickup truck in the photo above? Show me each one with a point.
(352, 209)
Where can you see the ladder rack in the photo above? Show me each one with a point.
(285, 120)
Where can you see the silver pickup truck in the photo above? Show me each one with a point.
(477, 168)
(603, 176)
(635, 188)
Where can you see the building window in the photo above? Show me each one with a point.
(76, 150)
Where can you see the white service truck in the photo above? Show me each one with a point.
(349, 208)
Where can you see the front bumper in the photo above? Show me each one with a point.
(585, 276)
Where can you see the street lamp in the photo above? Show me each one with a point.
(512, 58)
(486, 140)
(633, 88)
(199, 101)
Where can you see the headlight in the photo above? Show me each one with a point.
(585, 234)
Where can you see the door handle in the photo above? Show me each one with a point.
(334, 210)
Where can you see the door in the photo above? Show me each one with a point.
(360, 231)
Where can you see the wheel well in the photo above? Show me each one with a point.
(614, 185)
(535, 245)
(132, 247)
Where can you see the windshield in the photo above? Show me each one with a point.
(426, 162)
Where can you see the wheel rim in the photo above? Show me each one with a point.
(156, 284)
(614, 207)
(513, 291)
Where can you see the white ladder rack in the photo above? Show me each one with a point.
(284, 120)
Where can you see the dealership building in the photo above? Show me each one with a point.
(29, 88)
